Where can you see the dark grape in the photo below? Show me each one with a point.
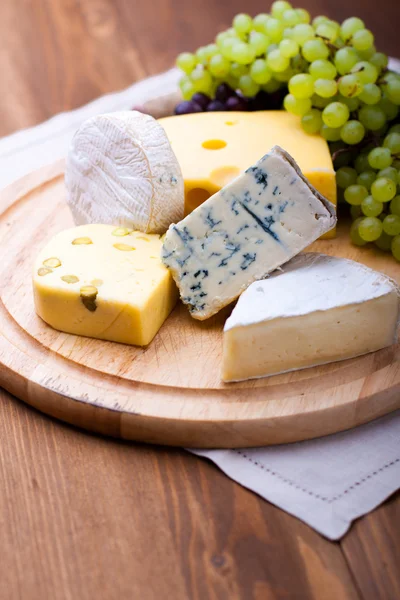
(259, 102)
(223, 92)
(201, 99)
(186, 107)
(215, 105)
(237, 103)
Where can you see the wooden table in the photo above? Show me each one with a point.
(83, 517)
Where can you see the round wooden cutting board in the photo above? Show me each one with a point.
(169, 392)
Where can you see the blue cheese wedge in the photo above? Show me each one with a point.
(246, 230)
(318, 309)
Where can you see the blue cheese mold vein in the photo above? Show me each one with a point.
(249, 228)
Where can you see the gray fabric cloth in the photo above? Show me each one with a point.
(327, 482)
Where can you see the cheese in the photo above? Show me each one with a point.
(121, 170)
(252, 226)
(319, 309)
(213, 148)
(104, 282)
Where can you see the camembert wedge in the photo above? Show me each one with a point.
(317, 310)
(252, 226)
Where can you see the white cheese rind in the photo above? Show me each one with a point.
(248, 229)
(121, 170)
(319, 309)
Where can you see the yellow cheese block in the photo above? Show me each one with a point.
(104, 282)
(213, 148)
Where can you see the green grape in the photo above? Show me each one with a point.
(288, 48)
(346, 176)
(258, 42)
(370, 229)
(287, 33)
(351, 103)
(260, 21)
(384, 242)
(361, 163)
(372, 117)
(390, 173)
(355, 212)
(320, 102)
(362, 39)
(202, 80)
(354, 233)
(302, 32)
(318, 20)
(350, 26)
(248, 86)
(297, 106)
(391, 110)
(312, 121)
(239, 70)
(379, 158)
(325, 87)
(271, 48)
(379, 60)
(260, 72)
(355, 194)
(395, 128)
(242, 23)
(352, 132)
(202, 55)
(330, 134)
(350, 86)
(212, 50)
(328, 30)
(383, 189)
(302, 85)
(219, 66)
(303, 16)
(365, 71)
(322, 69)
(335, 114)
(371, 207)
(345, 59)
(279, 7)
(276, 62)
(395, 205)
(274, 30)
(242, 53)
(187, 89)
(226, 46)
(391, 224)
(314, 49)
(186, 62)
(396, 247)
(392, 142)
(371, 94)
(290, 18)
(366, 178)
(285, 75)
(299, 64)
(367, 54)
(221, 37)
(272, 86)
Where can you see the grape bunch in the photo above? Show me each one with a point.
(332, 77)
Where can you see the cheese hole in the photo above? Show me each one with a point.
(195, 197)
(214, 144)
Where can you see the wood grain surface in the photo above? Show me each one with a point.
(169, 392)
(85, 517)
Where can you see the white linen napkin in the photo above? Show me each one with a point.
(327, 482)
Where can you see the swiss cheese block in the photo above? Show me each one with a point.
(104, 282)
(317, 310)
(252, 226)
(213, 148)
(121, 170)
